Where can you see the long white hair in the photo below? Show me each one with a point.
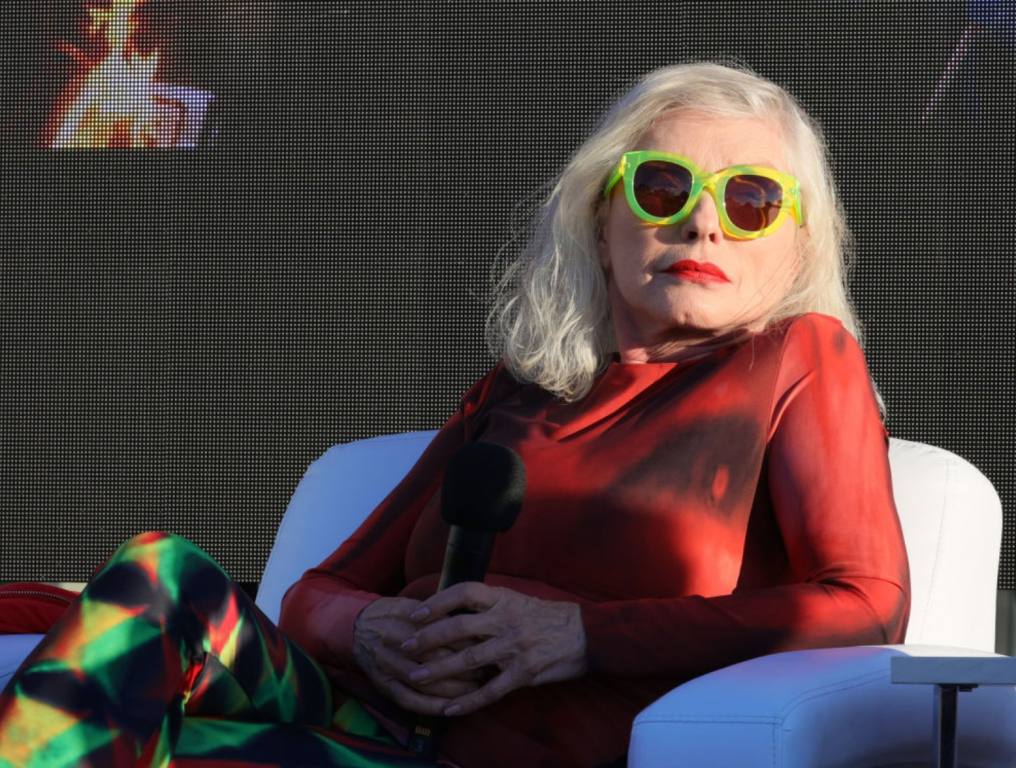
(550, 316)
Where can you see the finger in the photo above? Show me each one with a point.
(394, 663)
(449, 688)
(472, 678)
(497, 688)
(459, 631)
(463, 662)
(393, 630)
(413, 700)
(444, 652)
(472, 595)
(432, 654)
(389, 623)
(441, 651)
(401, 608)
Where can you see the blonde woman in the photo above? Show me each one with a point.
(707, 472)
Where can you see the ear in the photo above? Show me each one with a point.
(797, 261)
(603, 253)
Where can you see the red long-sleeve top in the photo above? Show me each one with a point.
(701, 512)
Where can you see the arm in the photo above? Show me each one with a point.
(827, 470)
(319, 610)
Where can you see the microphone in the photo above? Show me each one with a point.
(481, 496)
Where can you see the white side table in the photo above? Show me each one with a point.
(949, 675)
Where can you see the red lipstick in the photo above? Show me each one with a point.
(688, 269)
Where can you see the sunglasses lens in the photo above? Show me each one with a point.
(661, 188)
(753, 201)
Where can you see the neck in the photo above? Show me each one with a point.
(678, 350)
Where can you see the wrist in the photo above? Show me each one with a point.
(355, 633)
(577, 662)
(342, 630)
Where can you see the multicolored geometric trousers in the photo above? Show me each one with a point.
(165, 661)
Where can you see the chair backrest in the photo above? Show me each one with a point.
(952, 524)
(950, 513)
(337, 492)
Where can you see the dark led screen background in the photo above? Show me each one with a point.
(289, 238)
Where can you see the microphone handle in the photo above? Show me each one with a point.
(467, 555)
(427, 729)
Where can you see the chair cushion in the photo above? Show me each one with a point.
(817, 708)
(13, 650)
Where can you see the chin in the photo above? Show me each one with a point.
(699, 321)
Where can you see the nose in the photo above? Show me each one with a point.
(702, 222)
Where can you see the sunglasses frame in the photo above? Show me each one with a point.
(714, 183)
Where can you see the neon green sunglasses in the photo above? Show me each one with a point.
(662, 188)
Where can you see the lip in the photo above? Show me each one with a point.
(697, 271)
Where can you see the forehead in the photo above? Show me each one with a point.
(713, 141)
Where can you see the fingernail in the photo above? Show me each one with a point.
(419, 674)
(420, 613)
(454, 709)
(410, 644)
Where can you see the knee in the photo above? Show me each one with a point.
(147, 538)
(162, 540)
(170, 549)
(133, 550)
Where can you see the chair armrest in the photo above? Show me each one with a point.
(818, 707)
(14, 649)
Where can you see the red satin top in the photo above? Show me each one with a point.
(701, 512)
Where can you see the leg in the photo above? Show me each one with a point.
(207, 742)
(110, 682)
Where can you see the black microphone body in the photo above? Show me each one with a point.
(466, 556)
(481, 496)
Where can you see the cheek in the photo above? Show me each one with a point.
(627, 251)
(772, 269)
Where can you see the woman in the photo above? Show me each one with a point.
(707, 479)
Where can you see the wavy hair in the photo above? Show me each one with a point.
(550, 314)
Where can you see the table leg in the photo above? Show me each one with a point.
(945, 726)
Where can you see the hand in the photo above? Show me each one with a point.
(531, 641)
(379, 630)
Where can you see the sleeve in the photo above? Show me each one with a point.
(829, 484)
(326, 600)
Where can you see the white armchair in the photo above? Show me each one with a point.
(814, 708)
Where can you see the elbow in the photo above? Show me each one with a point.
(898, 619)
(289, 599)
(302, 619)
(298, 605)
(887, 604)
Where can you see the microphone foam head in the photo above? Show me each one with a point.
(483, 487)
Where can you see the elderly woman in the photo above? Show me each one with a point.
(707, 471)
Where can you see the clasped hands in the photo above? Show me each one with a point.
(433, 663)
